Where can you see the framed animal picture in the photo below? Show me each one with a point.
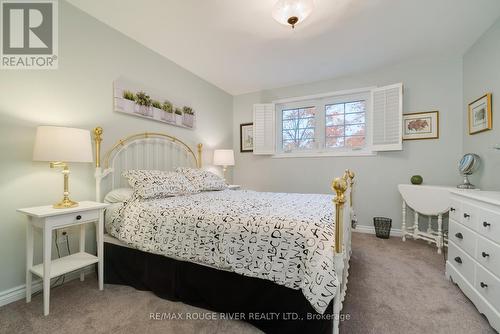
(421, 125)
(480, 114)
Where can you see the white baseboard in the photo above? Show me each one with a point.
(19, 292)
(371, 230)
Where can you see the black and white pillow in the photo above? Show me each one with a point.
(157, 184)
(203, 180)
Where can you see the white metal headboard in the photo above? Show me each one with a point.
(147, 150)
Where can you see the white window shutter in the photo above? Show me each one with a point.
(387, 118)
(264, 128)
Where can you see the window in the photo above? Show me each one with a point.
(356, 122)
(298, 128)
(346, 124)
(334, 124)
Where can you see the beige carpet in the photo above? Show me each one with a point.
(394, 287)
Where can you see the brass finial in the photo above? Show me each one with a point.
(98, 134)
(339, 185)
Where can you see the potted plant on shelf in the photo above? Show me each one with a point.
(178, 116)
(156, 107)
(167, 113)
(188, 117)
(143, 106)
(126, 102)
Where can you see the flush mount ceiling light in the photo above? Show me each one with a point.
(292, 12)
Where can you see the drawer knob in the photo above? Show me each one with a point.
(466, 215)
(483, 285)
(486, 224)
(458, 259)
(459, 235)
(485, 254)
(78, 217)
(452, 209)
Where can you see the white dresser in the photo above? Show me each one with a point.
(474, 249)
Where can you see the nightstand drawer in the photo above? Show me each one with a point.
(73, 218)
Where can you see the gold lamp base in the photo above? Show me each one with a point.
(66, 203)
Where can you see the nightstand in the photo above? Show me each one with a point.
(234, 187)
(48, 219)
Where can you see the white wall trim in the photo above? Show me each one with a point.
(309, 154)
(322, 95)
(395, 232)
(19, 292)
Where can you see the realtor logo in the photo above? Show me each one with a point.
(29, 34)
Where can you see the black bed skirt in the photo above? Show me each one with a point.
(268, 306)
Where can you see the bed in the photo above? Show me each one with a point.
(279, 261)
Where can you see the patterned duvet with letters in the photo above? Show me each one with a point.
(282, 237)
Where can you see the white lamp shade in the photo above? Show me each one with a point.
(224, 158)
(60, 144)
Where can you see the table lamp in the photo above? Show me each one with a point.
(59, 146)
(224, 158)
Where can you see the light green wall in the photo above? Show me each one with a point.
(79, 94)
(430, 84)
(481, 72)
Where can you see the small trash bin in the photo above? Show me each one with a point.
(382, 227)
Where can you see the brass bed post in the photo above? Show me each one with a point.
(339, 185)
(98, 171)
(350, 174)
(98, 140)
(200, 148)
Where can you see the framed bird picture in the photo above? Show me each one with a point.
(480, 114)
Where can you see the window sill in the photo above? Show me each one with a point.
(354, 153)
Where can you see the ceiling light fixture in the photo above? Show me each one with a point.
(292, 12)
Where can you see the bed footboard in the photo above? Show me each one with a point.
(342, 246)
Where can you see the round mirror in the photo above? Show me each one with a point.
(468, 165)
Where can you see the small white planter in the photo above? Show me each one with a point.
(188, 120)
(156, 112)
(125, 105)
(144, 110)
(178, 119)
(167, 116)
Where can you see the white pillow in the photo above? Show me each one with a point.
(158, 184)
(118, 195)
(203, 180)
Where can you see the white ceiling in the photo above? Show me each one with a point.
(237, 46)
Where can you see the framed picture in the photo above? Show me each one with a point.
(421, 125)
(480, 114)
(246, 137)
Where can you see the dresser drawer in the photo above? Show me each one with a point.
(455, 210)
(73, 218)
(463, 237)
(488, 254)
(469, 215)
(489, 224)
(462, 262)
(488, 286)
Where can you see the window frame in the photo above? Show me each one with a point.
(320, 102)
